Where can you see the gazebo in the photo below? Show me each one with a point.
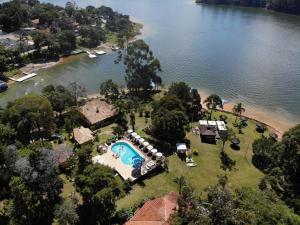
(181, 148)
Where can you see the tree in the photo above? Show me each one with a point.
(7, 134)
(110, 90)
(169, 126)
(35, 188)
(99, 189)
(59, 97)
(31, 116)
(66, 213)
(212, 102)
(169, 120)
(142, 67)
(132, 120)
(238, 109)
(181, 182)
(91, 36)
(283, 171)
(182, 91)
(224, 206)
(67, 41)
(226, 136)
(76, 91)
(262, 153)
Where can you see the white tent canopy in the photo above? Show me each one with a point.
(159, 154)
(137, 137)
(203, 122)
(146, 144)
(212, 123)
(154, 151)
(221, 126)
(150, 147)
(141, 140)
(181, 146)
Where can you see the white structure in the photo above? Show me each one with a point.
(153, 151)
(150, 147)
(181, 148)
(146, 144)
(212, 123)
(100, 52)
(221, 126)
(203, 122)
(130, 131)
(141, 140)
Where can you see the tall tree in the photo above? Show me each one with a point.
(132, 120)
(66, 213)
(110, 90)
(225, 137)
(238, 109)
(141, 67)
(212, 102)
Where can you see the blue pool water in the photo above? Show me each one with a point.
(127, 154)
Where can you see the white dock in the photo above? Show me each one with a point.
(91, 55)
(100, 52)
(26, 77)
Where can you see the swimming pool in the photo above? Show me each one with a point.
(127, 154)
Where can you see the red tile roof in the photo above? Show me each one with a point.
(156, 212)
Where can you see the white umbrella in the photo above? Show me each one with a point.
(154, 151)
(133, 134)
(150, 147)
(137, 137)
(141, 140)
(159, 154)
(146, 144)
(130, 131)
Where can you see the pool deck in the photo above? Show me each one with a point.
(125, 171)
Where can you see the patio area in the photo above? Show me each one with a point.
(151, 158)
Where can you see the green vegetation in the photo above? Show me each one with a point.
(56, 31)
(287, 6)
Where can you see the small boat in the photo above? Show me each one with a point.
(91, 55)
(191, 164)
(115, 48)
(100, 52)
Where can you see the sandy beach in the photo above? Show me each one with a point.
(276, 123)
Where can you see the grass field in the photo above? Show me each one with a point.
(208, 169)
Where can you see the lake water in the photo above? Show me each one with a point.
(242, 54)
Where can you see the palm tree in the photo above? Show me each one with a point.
(132, 120)
(226, 136)
(212, 102)
(238, 109)
(180, 181)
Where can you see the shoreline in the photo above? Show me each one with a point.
(256, 113)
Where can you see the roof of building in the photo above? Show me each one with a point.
(181, 147)
(97, 110)
(208, 130)
(156, 212)
(203, 122)
(82, 135)
(212, 123)
(221, 125)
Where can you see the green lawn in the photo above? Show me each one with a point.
(208, 169)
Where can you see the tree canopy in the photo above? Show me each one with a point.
(31, 116)
(141, 67)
